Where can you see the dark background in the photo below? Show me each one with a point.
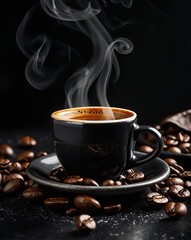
(155, 77)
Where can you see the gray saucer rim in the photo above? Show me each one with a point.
(155, 171)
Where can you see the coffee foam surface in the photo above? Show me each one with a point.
(92, 114)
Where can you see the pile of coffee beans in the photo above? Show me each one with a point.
(175, 191)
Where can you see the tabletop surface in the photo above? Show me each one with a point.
(20, 219)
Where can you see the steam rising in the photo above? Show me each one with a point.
(101, 64)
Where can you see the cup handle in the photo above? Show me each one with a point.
(140, 129)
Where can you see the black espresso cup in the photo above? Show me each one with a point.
(99, 142)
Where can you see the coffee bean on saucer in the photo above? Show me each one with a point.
(156, 199)
(75, 179)
(175, 209)
(134, 177)
(85, 223)
(27, 142)
(89, 182)
(56, 203)
(6, 150)
(108, 182)
(112, 208)
(86, 204)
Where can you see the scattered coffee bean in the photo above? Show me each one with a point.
(178, 193)
(186, 175)
(56, 203)
(173, 149)
(6, 150)
(112, 208)
(86, 204)
(4, 163)
(71, 211)
(27, 142)
(15, 167)
(156, 199)
(26, 155)
(76, 180)
(85, 223)
(174, 181)
(14, 186)
(170, 161)
(41, 154)
(32, 194)
(175, 209)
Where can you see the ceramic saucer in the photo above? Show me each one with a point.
(155, 171)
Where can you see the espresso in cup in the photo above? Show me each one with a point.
(99, 142)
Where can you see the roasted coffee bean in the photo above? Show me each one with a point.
(27, 142)
(58, 174)
(108, 182)
(4, 163)
(85, 223)
(89, 182)
(14, 186)
(76, 180)
(41, 154)
(32, 194)
(169, 141)
(156, 199)
(174, 181)
(178, 193)
(56, 203)
(112, 208)
(145, 149)
(174, 172)
(134, 177)
(118, 183)
(26, 155)
(6, 150)
(24, 166)
(158, 189)
(178, 167)
(187, 185)
(0, 178)
(15, 167)
(173, 149)
(175, 209)
(185, 147)
(186, 175)
(170, 161)
(71, 211)
(86, 204)
(13, 176)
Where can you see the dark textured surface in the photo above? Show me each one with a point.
(20, 219)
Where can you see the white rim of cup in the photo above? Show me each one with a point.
(73, 120)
